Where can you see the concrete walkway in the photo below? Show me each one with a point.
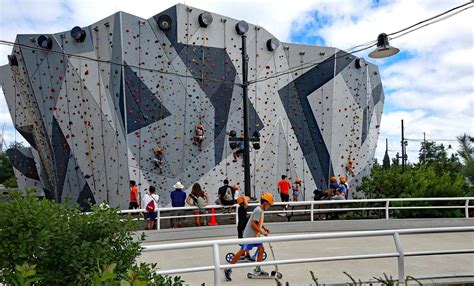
(332, 272)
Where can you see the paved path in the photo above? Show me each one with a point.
(331, 272)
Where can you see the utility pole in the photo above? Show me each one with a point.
(424, 147)
(403, 144)
(403, 147)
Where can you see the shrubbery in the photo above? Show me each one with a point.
(67, 247)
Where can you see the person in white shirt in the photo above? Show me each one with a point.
(150, 203)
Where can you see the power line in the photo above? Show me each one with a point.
(431, 18)
(82, 57)
(436, 21)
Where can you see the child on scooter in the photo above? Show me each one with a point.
(253, 228)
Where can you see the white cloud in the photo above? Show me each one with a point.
(431, 86)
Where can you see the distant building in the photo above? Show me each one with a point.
(92, 125)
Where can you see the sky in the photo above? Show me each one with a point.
(429, 84)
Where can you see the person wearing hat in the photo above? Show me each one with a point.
(243, 202)
(333, 185)
(178, 199)
(254, 228)
(296, 189)
(343, 186)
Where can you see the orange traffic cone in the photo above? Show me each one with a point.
(213, 218)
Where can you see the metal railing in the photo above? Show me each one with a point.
(400, 254)
(315, 207)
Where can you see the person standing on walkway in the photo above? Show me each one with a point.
(296, 189)
(178, 198)
(150, 203)
(200, 199)
(133, 204)
(226, 195)
(283, 189)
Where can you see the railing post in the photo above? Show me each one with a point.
(466, 208)
(401, 258)
(217, 271)
(387, 211)
(237, 215)
(312, 211)
(158, 219)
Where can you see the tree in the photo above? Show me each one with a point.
(435, 155)
(67, 247)
(396, 160)
(466, 153)
(16, 145)
(6, 169)
(437, 175)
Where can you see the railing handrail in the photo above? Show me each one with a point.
(299, 203)
(400, 254)
(296, 237)
(312, 210)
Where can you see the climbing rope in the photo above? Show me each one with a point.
(303, 120)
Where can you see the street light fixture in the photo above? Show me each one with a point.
(383, 49)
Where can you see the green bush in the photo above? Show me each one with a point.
(10, 182)
(64, 245)
(415, 182)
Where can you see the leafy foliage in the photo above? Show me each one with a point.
(435, 176)
(6, 169)
(66, 246)
(466, 153)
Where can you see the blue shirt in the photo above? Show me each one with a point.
(343, 188)
(178, 198)
(241, 145)
(333, 186)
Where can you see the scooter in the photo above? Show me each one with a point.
(229, 256)
(272, 275)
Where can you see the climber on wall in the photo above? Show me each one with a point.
(349, 167)
(158, 160)
(239, 150)
(199, 135)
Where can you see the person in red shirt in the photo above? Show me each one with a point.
(283, 189)
(133, 196)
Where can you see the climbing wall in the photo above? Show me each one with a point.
(94, 106)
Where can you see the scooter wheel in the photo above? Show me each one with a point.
(264, 257)
(229, 256)
(279, 275)
(249, 275)
(273, 273)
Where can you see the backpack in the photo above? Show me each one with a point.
(150, 207)
(228, 195)
(201, 202)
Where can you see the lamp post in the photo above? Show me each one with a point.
(242, 27)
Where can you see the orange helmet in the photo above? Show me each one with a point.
(268, 197)
(342, 179)
(297, 180)
(240, 199)
(157, 149)
(199, 126)
(333, 179)
(235, 187)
